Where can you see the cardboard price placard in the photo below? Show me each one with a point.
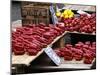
(52, 55)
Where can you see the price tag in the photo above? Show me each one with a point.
(52, 55)
(54, 18)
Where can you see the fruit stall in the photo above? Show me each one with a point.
(54, 40)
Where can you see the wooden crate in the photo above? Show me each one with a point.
(35, 14)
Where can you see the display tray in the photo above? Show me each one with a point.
(82, 33)
(65, 65)
(68, 65)
(26, 59)
(44, 64)
(76, 15)
(74, 64)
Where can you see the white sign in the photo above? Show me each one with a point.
(54, 18)
(53, 56)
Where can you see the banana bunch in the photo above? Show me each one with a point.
(66, 14)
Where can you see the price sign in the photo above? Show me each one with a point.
(52, 55)
(54, 18)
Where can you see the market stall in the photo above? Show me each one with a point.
(64, 41)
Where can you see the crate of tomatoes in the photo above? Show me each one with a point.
(78, 21)
(78, 50)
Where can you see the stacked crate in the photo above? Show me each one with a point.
(35, 13)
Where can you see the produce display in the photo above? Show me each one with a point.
(32, 38)
(82, 23)
(52, 37)
(80, 51)
(78, 22)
